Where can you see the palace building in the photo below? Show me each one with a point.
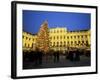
(29, 41)
(62, 39)
(59, 39)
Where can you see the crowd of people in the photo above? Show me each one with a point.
(37, 56)
(33, 56)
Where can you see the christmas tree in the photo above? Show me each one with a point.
(43, 38)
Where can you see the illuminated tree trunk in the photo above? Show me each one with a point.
(43, 38)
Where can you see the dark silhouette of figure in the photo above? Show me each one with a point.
(74, 55)
(77, 58)
(40, 57)
(87, 53)
(54, 54)
(66, 55)
(70, 56)
(57, 56)
(36, 57)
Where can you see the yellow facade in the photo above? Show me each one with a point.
(29, 41)
(57, 38)
(60, 39)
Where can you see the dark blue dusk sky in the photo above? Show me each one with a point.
(32, 20)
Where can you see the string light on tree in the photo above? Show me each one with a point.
(43, 38)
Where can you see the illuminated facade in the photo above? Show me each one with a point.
(60, 39)
(29, 41)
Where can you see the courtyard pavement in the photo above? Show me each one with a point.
(48, 62)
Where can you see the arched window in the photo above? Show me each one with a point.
(74, 36)
(82, 41)
(71, 42)
(61, 42)
(54, 37)
(78, 36)
(67, 42)
(67, 37)
(64, 43)
(71, 37)
(78, 42)
(81, 36)
(57, 37)
(64, 37)
(60, 37)
(75, 42)
(53, 43)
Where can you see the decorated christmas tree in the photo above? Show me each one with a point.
(43, 38)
